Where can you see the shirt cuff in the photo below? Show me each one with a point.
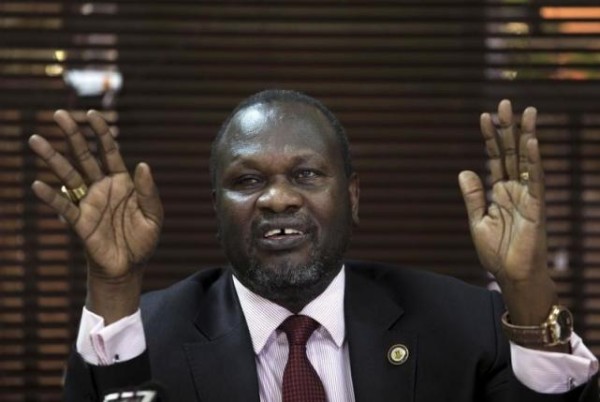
(102, 345)
(553, 372)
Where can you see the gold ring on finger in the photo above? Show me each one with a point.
(74, 194)
(524, 177)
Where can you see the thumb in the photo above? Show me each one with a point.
(473, 195)
(147, 193)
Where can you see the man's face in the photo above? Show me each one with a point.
(284, 204)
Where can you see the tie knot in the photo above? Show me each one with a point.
(298, 328)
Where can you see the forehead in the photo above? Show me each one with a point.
(277, 128)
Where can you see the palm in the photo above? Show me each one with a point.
(115, 232)
(510, 236)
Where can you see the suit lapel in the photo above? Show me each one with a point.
(373, 327)
(223, 365)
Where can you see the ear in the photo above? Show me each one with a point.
(354, 193)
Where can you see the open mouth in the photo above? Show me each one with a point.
(282, 232)
(282, 238)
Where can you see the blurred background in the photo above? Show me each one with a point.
(408, 79)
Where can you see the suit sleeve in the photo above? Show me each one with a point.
(88, 383)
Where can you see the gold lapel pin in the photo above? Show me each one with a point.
(398, 354)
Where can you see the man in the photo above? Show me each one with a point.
(286, 198)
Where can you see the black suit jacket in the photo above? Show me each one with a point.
(199, 345)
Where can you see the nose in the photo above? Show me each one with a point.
(280, 196)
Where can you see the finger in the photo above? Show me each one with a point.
(491, 145)
(110, 150)
(507, 135)
(147, 194)
(79, 147)
(535, 184)
(473, 195)
(61, 167)
(528, 122)
(57, 202)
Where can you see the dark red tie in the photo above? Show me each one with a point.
(301, 383)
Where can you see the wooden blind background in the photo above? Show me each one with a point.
(408, 79)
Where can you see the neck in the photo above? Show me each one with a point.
(292, 297)
(295, 299)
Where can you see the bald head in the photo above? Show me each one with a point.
(263, 108)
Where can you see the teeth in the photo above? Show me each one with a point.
(272, 232)
(291, 231)
(283, 231)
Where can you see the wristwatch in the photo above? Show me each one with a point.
(556, 330)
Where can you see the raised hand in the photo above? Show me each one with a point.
(510, 233)
(118, 220)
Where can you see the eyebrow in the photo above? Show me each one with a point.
(241, 159)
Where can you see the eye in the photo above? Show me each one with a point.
(247, 181)
(304, 174)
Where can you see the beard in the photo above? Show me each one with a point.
(288, 276)
(288, 282)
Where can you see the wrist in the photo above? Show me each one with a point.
(553, 335)
(529, 301)
(113, 299)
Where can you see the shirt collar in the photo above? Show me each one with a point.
(263, 316)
